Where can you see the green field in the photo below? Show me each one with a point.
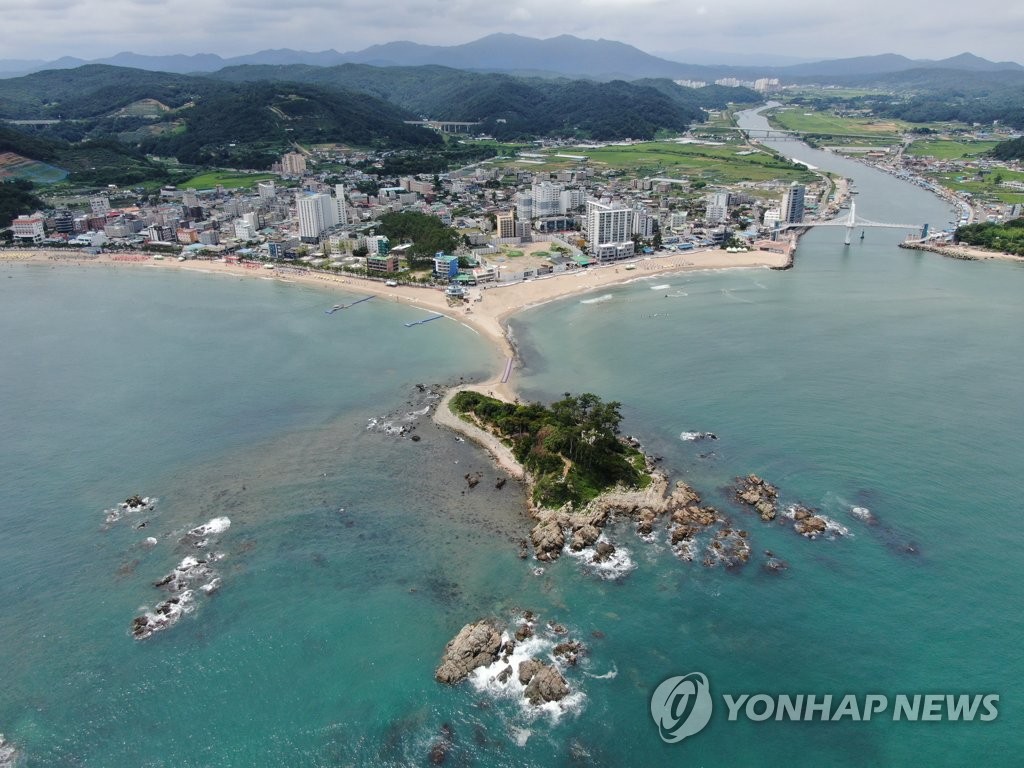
(817, 123)
(945, 149)
(227, 179)
(717, 164)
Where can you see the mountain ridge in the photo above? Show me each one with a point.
(564, 55)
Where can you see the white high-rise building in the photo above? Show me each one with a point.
(718, 208)
(609, 227)
(547, 199)
(317, 213)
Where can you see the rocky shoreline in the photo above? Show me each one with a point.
(959, 252)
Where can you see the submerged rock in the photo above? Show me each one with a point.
(476, 645)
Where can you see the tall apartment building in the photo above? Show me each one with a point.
(341, 203)
(793, 204)
(293, 164)
(717, 208)
(100, 204)
(609, 229)
(505, 224)
(317, 213)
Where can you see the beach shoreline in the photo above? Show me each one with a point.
(488, 315)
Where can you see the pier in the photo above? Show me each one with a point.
(336, 307)
(421, 322)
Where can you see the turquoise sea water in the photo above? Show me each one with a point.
(868, 376)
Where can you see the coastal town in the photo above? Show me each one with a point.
(536, 213)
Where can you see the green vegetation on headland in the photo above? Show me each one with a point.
(1006, 238)
(571, 448)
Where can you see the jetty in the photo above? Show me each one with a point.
(421, 322)
(336, 307)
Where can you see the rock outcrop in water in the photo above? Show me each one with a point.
(759, 494)
(508, 662)
(543, 683)
(191, 575)
(476, 645)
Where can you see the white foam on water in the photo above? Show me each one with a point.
(660, 287)
(689, 436)
(486, 680)
(216, 525)
(618, 564)
(150, 541)
(677, 295)
(520, 735)
(609, 675)
(598, 300)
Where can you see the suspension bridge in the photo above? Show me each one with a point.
(852, 221)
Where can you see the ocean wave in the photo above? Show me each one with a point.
(664, 287)
(216, 525)
(8, 754)
(488, 679)
(598, 300)
(617, 565)
(676, 295)
(692, 436)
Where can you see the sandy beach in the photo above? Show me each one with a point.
(487, 316)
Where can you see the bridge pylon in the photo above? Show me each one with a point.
(850, 221)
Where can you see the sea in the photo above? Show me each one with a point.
(878, 385)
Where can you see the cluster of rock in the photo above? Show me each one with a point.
(681, 505)
(807, 522)
(759, 494)
(484, 643)
(192, 574)
(131, 505)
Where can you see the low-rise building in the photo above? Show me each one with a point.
(29, 228)
(446, 266)
(382, 262)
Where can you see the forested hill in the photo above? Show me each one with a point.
(514, 107)
(201, 120)
(1009, 150)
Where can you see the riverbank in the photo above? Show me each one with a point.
(960, 251)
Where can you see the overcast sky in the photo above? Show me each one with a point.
(810, 29)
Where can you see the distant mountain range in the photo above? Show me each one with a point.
(564, 55)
